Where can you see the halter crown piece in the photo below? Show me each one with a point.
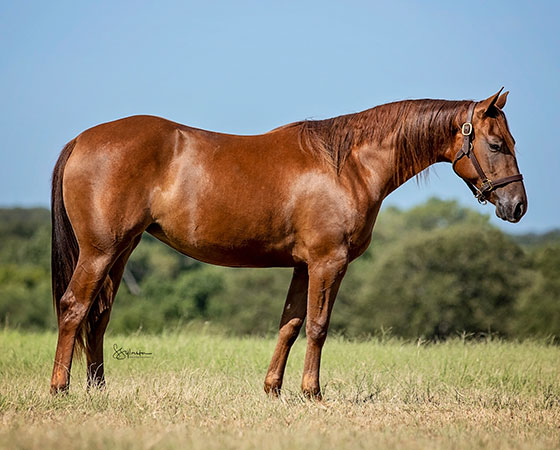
(487, 185)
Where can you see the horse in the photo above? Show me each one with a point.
(305, 195)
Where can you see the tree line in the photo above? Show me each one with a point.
(432, 271)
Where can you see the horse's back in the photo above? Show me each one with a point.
(199, 191)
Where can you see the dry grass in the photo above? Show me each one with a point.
(205, 391)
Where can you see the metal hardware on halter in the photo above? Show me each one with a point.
(480, 197)
(466, 149)
(487, 185)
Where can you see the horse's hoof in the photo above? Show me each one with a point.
(273, 390)
(313, 395)
(59, 389)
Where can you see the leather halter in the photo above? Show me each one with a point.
(487, 185)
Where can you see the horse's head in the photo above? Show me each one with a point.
(487, 161)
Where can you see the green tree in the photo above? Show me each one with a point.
(436, 283)
(25, 297)
(538, 306)
(251, 300)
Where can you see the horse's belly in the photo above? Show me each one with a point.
(225, 248)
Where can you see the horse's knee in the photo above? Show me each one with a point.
(290, 330)
(316, 330)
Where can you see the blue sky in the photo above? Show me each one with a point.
(246, 67)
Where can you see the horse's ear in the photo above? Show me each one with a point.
(489, 105)
(501, 102)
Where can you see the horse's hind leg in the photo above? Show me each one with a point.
(96, 331)
(88, 278)
(290, 324)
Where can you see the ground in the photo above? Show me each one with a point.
(203, 390)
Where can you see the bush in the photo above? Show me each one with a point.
(437, 283)
(25, 297)
(538, 307)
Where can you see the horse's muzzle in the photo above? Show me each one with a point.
(512, 211)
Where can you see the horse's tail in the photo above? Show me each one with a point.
(64, 248)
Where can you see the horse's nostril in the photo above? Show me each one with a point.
(518, 211)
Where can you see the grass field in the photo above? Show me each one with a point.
(200, 390)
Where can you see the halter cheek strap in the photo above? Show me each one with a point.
(487, 186)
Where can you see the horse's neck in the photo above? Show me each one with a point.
(384, 173)
(392, 142)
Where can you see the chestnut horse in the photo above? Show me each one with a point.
(305, 195)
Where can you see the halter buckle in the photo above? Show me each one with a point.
(487, 186)
(466, 129)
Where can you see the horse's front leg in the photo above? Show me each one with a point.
(325, 277)
(290, 324)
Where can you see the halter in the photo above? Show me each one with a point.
(467, 150)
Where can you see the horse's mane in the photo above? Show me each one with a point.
(416, 129)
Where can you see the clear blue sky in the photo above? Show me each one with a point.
(246, 67)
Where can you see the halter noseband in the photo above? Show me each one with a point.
(467, 150)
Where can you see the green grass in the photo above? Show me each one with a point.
(202, 390)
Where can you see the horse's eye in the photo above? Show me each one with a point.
(494, 147)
